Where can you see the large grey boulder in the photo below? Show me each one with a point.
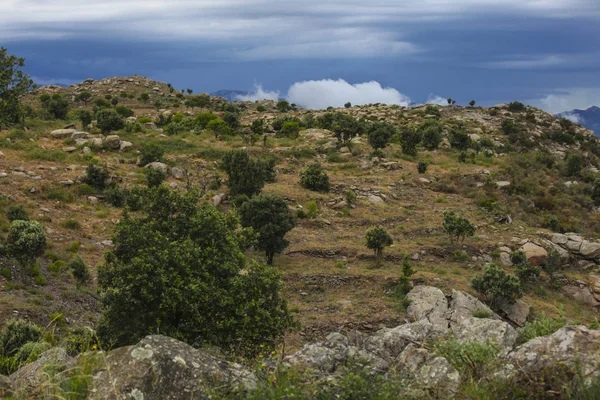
(62, 133)
(464, 305)
(536, 255)
(113, 142)
(517, 312)
(589, 249)
(159, 367)
(573, 347)
(485, 330)
(387, 343)
(427, 302)
(323, 356)
(28, 382)
(159, 166)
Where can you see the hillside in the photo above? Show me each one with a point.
(527, 180)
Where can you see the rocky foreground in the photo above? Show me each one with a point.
(159, 367)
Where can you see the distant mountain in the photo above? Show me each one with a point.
(229, 94)
(589, 118)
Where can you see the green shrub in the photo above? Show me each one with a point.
(409, 140)
(151, 152)
(218, 127)
(315, 178)
(516, 106)
(60, 194)
(17, 213)
(541, 326)
(459, 139)
(246, 175)
(312, 209)
(422, 167)
(71, 223)
(26, 241)
(380, 134)
(15, 334)
(80, 270)
(86, 190)
(431, 131)
(377, 239)
(57, 266)
(124, 112)
(496, 286)
(457, 227)
(80, 339)
(480, 313)
(109, 120)
(31, 351)
(470, 358)
(154, 177)
(290, 129)
(96, 176)
(40, 280)
(206, 291)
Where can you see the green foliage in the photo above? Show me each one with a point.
(154, 177)
(459, 139)
(516, 106)
(258, 126)
(314, 177)
(57, 266)
(541, 326)
(80, 270)
(232, 120)
(85, 117)
(246, 175)
(15, 334)
(14, 83)
(71, 223)
(311, 209)
(575, 163)
(108, 120)
(457, 227)
(422, 167)
(409, 140)
(480, 313)
(497, 286)
(348, 105)
(26, 241)
(203, 119)
(283, 106)
(350, 197)
(261, 108)
(202, 101)
(346, 127)
(144, 97)
(290, 129)
(218, 127)
(431, 131)
(16, 213)
(84, 97)
(192, 280)
(269, 217)
(151, 152)
(470, 358)
(472, 103)
(124, 112)
(79, 340)
(377, 239)
(380, 134)
(57, 106)
(96, 176)
(525, 271)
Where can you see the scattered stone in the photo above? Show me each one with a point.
(159, 166)
(62, 133)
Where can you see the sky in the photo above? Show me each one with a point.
(319, 53)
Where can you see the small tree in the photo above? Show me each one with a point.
(315, 178)
(232, 120)
(157, 105)
(525, 271)
(459, 139)
(380, 134)
(378, 239)
(457, 227)
(246, 175)
(80, 270)
(203, 119)
(409, 140)
(472, 103)
(431, 132)
(14, 83)
(283, 106)
(348, 105)
(124, 112)
(269, 217)
(258, 127)
(151, 152)
(85, 117)
(496, 286)
(350, 197)
(516, 106)
(57, 106)
(218, 127)
(200, 101)
(449, 101)
(422, 167)
(108, 120)
(114, 101)
(144, 97)
(290, 129)
(96, 176)
(84, 97)
(154, 177)
(190, 91)
(26, 241)
(346, 128)
(17, 213)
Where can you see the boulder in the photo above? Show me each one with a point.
(79, 135)
(113, 142)
(125, 146)
(536, 255)
(484, 330)
(387, 343)
(505, 260)
(324, 356)
(374, 199)
(159, 166)
(589, 249)
(62, 133)
(583, 295)
(559, 238)
(463, 306)
(427, 372)
(177, 173)
(27, 382)
(429, 303)
(517, 312)
(159, 367)
(502, 184)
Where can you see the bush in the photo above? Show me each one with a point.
(232, 120)
(108, 120)
(470, 358)
(26, 241)
(203, 119)
(124, 112)
(80, 270)
(409, 140)
(151, 152)
(457, 227)
(378, 239)
(15, 334)
(246, 175)
(71, 223)
(541, 326)
(154, 177)
(96, 176)
(525, 271)
(85, 117)
(269, 217)
(193, 281)
(380, 134)
(422, 167)
(258, 127)
(432, 135)
(79, 340)
(497, 286)
(311, 209)
(57, 106)
(290, 129)
(218, 127)
(17, 213)
(315, 178)
(516, 106)
(31, 351)
(283, 106)
(459, 139)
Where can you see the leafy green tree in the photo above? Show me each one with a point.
(283, 106)
(525, 271)
(14, 83)
(100, 104)
(114, 101)
(290, 129)
(157, 105)
(261, 108)
(218, 127)
(151, 152)
(57, 106)
(203, 119)
(17, 213)
(189, 91)
(422, 167)
(192, 280)
(232, 120)
(314, 177)
(346, 128)
(409, 140)
(154, 177)
(457, 227)
(496, 286)
(124, 112)
(268, 216)
(108, 120)
(516, 106)
(26, 241)
(96, 176)
(85, 117)
(246, 175)
(348, 105)
(84, 97)
(380, 134)
(258, 126)
(199, 101)
(144, 97)
(459, 139)
(431, 131)
(80, 270)
(472, 103)
(378, 238)
(574, 164)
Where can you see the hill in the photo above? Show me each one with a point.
(526, 180)
(589, 118)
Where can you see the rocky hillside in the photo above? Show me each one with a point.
(526, 181)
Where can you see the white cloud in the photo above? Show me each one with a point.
(532, 63)
(327, 92)
(573, 118)
(568, 99)
(435, 99)
(259, 94)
